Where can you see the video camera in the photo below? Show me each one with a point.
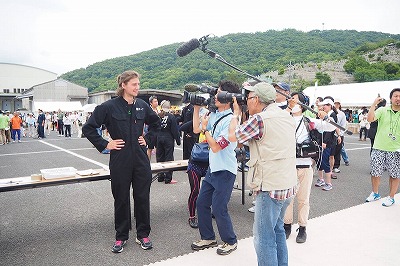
(195, 99)
(223, 96)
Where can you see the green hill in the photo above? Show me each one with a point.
(255, 53)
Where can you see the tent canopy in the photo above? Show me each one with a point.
(353, 94)
(55, 106)
(89, 107)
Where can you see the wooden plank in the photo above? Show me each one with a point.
(19, 183)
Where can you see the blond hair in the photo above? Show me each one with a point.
(124, 78)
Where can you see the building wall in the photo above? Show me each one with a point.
(60, 91)
(14, 76)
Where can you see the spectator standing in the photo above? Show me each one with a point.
(270, 132)
(67, 121)
(60, 124)
(328, 143)
(47, 124)
(189, 137)
(386, 150)
(41, 120)
(364, 125)
(30, 121)
(151, 139)
(4, 123)
(16, 123)
(339, 148)
(165, 140)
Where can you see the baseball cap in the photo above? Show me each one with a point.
(284, 86)
(265, 91)
(326, 101)
(165, 105)
(337, 100)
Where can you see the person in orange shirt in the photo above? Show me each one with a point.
(16, 122)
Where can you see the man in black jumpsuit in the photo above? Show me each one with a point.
(189, 138)
(124, 118)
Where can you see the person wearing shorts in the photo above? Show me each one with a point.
(386, 149)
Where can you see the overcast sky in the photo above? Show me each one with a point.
(63, 35)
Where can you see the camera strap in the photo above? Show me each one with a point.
(216, 123)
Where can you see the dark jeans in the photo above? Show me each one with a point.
(365, 130)
(165, 153)
(215, 193)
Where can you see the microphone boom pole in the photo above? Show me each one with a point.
(222, 60)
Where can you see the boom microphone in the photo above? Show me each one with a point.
(187, 47)
(192, 87)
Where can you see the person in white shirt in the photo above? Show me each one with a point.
(47, 124)
(30, 121)
(67, 123)
(364, 125)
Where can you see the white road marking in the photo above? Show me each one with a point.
(76, 155)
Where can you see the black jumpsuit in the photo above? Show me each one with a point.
(128, 166)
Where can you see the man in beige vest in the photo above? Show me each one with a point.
(270, 132)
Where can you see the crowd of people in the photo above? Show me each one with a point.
(18, 124)
(276, 129)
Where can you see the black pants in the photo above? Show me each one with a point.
(165, 153)
(365, 130)
(67, 130)
(127, 170)
(337, 154)
(60, 126)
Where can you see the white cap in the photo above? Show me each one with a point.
(326, 101)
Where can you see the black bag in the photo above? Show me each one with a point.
(309, 148)
(200, 151)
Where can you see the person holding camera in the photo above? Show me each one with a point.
(270, 132)
(216, 188)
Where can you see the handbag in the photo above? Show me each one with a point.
(200, 151)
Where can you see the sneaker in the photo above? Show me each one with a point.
(288, 229)
(172, 181)
(373, 197)
(253, 203)
(246, 168)
(388, 201)
(193, 222)
(19, 141)
(252, 209)
(336, 170)
(145, 243)
(302, 235)
(226, 249)
(347, 163)
(118, 246)
(327, 187)
(333, 176)
(203, 244)
(320, 183)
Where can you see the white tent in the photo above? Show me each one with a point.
(89, 107)
(354, 94)
(55, 106)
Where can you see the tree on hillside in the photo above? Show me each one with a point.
(323, 78)
(355, 62)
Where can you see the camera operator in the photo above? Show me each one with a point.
(216, 188)
(270, 132)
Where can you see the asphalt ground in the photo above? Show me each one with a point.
(73, 224)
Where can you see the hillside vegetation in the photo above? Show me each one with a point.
(272, 53)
